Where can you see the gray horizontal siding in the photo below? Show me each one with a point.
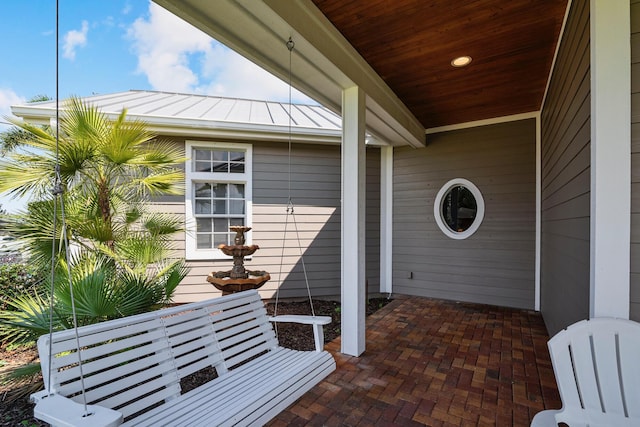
(565, 179)
(315, 191)
(496, 264)
(373, 221)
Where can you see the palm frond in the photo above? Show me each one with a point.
(139, 252)
(92, 293)
(126, 141)
(26, 174)
(26, 319)
(158, 224)
(170, 182)
(164, 154)
(136, 294)
(171, 277)
(22, 381)
(84, 122)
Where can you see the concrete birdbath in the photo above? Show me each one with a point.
(238, 279)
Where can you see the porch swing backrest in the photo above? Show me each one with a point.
(134, 365)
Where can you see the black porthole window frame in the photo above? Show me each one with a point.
(441, 198)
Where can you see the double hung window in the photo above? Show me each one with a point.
(218, 195)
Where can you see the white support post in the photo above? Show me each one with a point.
(386, 219)
(610, 158)
(353, 221)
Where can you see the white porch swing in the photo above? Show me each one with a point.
(127, 371)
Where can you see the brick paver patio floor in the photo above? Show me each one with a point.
(436, 363)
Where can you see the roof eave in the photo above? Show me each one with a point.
(324, 63)
(202, 128)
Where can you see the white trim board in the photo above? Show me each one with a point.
(485, 122)
(610, 159)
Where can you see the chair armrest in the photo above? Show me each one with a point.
(63, 412)
(545, 418)
(316, 321)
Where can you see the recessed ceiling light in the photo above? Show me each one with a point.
(461, 61)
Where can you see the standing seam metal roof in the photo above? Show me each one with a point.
(176, 106)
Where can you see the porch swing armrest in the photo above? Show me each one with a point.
(316, 321)
(60, 411)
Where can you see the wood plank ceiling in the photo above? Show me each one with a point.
(410, 44)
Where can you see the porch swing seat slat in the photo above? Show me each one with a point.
(132, 368)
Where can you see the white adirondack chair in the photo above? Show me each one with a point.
(597, 367)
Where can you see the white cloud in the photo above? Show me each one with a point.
(164, 44)
(8, 98)
(232, 75)
(74, 39)
(177, 57)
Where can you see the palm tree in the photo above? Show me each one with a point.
(13, 137)
(118, 260)
(109, 160)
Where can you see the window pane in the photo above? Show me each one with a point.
(236, 167)
(203, 241)
(220, 238)
(203, 207)
(220, 191)
(202, 166)
(220, 167)
(459, 209)
(220, 207)
(222, 156)
(221, 225)
(203, 190)
(236, 221)
(203, 225)
(203, 154)
(236, 156)
(236, 191)
(236, 206)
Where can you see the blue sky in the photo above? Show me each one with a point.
(109, 46)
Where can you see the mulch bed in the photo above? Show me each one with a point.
(19, 411)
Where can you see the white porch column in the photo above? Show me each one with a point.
(353, 221)
(386, 219)
(610, 158)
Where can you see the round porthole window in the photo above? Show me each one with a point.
(459, 208)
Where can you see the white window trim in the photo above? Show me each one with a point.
(437, 209)
(246, 178)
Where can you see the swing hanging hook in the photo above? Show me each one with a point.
(57, 188)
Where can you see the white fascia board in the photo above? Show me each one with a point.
(34, 115)
(246, 134)
(323, 62)
(240, 130)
